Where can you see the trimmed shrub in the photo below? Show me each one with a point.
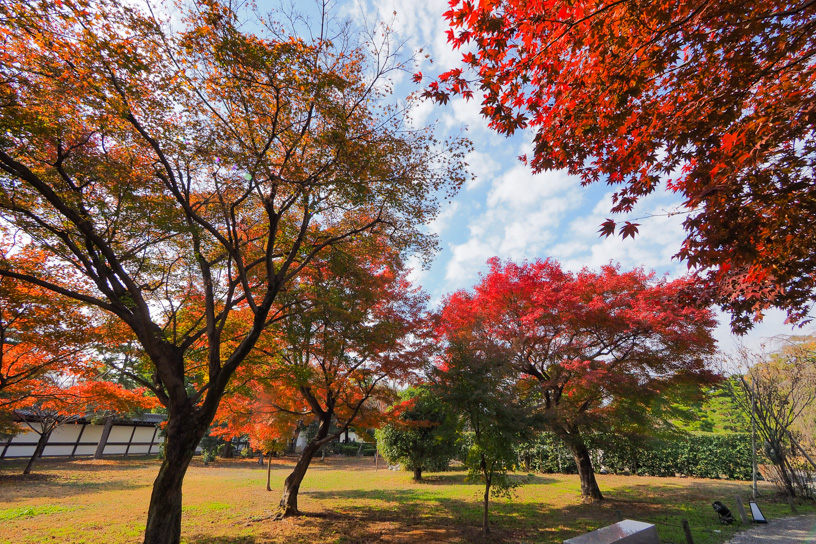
(546, 454)
(697, 455)
(351, 449)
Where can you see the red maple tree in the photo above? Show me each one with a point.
(603, 350)
(717, 98)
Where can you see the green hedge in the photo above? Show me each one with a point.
(352, 448)
(546, 454)
(698, 455)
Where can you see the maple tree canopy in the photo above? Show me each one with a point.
(601, 350)
(715, 99)
(187, 173)
(591, 338)
(355, 326)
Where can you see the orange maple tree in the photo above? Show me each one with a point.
(715, 99)
(188, 175)
(354, 326)
(39, 333)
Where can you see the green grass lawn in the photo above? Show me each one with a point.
(348, 501)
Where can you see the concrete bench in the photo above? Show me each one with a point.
(623, 532)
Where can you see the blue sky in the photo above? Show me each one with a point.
(508, 212)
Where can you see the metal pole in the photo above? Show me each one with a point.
(753, 443)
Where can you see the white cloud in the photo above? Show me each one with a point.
(460, 111)
(417, 273)
(419, 23)
(520, 189)
(763, 337)
(467, 260)
(420, 113)
(659, 238)
(441, 222)
(522, 215)
(483, 167)
(523, 238)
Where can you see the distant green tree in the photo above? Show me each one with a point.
(424, 435)
(546, 453)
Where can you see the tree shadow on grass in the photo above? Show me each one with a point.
(26, 478)
(460, 478)
(54, 486)
(287, 462)
(207, 539)
(441, 478)
(443, 519)
(636, 496)
(415, 512)
(82, 464)
(383, 525)
(55, 489)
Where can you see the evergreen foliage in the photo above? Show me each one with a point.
(726, 456)
(423, 438)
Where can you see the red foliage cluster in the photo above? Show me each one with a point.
(594, 337)
(601, 351)
(717, 98)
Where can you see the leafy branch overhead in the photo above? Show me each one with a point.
(714, 101)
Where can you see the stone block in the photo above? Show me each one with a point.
(624, 532)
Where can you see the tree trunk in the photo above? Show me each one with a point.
(488, 480)
(38, 451)
(291, 486)
(786, 475)
(590, 492)
(164, 514)
(418, 473)
(288, 504)
(571, 436)
(268, 473)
